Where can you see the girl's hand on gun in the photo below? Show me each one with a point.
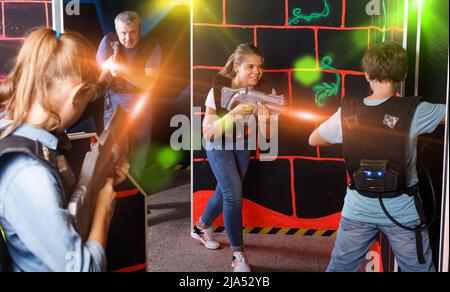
(243, 110)
(263, 113)
(121, 171)
(106, 200)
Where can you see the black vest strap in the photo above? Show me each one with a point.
(219, 82)
(48, 157)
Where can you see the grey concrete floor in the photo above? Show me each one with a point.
(171, 249)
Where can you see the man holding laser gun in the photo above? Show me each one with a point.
(130, 66)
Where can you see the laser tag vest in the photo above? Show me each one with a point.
(219, 82)
(48, 158)
(137, 64)
(377, 133)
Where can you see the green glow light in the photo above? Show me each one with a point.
(167, 157)
(153, 167)
(298, 14)
(307, 78)
(434, 28)
(325, 90)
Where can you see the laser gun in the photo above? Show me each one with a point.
(104, 76)
(98, 165)
(231, 98)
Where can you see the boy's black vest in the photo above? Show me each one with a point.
(378, 133)
(48, 157)
(220, 81)
(137, 65)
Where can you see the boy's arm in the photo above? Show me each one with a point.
(427, 118)
(316, 140)
(330, 132)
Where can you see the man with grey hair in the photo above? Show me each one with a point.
(130, 65)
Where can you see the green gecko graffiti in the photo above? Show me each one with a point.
(325, 90)
(298, 14)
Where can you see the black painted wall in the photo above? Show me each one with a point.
(317, 176)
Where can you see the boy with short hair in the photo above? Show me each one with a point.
(379, 134)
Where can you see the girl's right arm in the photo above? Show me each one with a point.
(104, 211)
(38, 217)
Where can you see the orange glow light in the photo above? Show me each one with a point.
(306, 116)
(139, 106)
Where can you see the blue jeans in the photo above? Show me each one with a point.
(355, 238)
(229, 168)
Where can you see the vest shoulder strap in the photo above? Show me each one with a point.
(219, 82)
(18, 144)
(48, 157)
(145, 48)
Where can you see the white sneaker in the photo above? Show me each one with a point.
(240, 262)
(206, 237)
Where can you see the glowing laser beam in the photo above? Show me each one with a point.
(298, 14)
(138, 107)
(306, 116)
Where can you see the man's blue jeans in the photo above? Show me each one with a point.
(229, 168)
(355, 238)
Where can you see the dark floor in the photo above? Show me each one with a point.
(171, 249)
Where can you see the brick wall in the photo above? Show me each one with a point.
(16, 19)
(305, 186)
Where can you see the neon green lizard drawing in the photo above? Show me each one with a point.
(325, 90)
(298, 14)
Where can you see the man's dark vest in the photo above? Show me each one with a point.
(48, 158)
(378, 133)
(220, 81)
(137, 65)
